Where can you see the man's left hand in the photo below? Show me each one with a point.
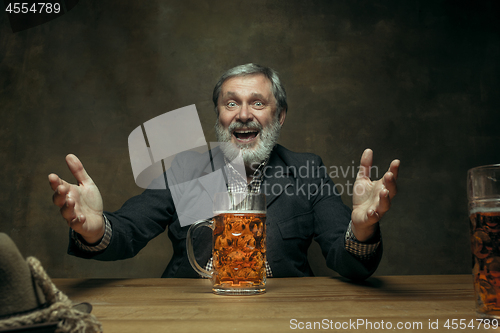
(371, 199)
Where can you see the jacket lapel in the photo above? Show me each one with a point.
(277, 179)
(213, 179)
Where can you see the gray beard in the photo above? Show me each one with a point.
(268, 138)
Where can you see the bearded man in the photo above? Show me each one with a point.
(251, 107)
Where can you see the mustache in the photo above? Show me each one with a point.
(252, 125)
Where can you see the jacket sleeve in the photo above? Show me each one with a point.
(331, 219)
(139, 220)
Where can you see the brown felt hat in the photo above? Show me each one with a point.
(30, 302)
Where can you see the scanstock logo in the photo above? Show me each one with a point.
(170, 152)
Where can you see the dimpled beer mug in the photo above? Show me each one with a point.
(238, 244)
(483, 191)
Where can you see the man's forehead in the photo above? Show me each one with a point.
(255, 85)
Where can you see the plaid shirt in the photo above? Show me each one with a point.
(363, 251)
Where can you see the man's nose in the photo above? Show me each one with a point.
(245, 113)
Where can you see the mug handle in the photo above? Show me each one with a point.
(189, 245)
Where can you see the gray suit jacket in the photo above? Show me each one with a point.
(301, 206)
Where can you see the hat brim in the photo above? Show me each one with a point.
(46, 327)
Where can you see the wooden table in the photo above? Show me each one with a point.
(412, 303)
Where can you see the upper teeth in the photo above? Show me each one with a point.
(245, 131)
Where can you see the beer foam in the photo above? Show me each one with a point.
(484, 210)
(260, 212)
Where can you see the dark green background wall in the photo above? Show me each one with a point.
(414, 80)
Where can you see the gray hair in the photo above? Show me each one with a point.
(253, 69)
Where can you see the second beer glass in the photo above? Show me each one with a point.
(484, 210)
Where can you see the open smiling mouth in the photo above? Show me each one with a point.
(245, 136)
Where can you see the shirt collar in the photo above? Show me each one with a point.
(237, 181)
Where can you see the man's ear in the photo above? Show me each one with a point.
(282, 117)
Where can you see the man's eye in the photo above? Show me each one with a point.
(259, 104)
(231, 104)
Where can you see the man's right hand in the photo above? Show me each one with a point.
(81, 204)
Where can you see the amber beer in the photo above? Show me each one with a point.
(239, 250)
(485, 243)
(238, 245)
